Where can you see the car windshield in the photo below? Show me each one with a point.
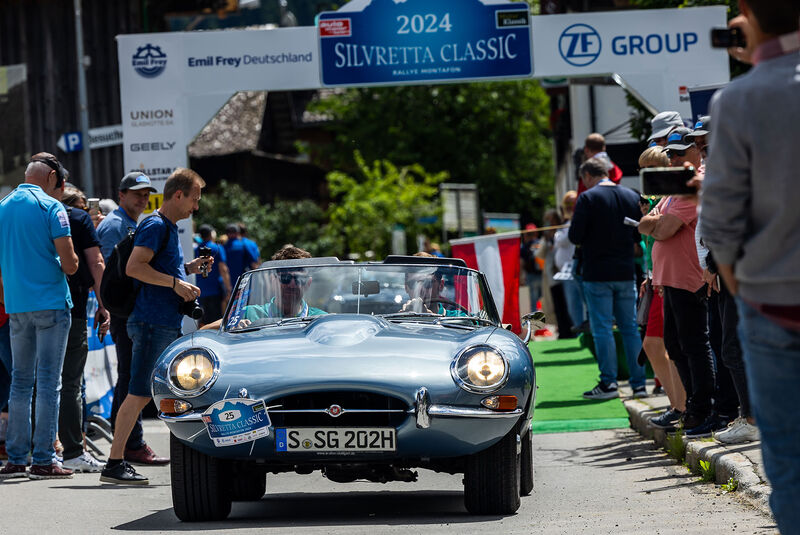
(426, 293)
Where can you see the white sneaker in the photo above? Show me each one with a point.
(85, 463)
(738, 432)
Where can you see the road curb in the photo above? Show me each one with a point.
(727, 464)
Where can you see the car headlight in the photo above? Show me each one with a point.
(193, 371)
(480, 369)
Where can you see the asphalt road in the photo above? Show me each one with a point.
(594, 482)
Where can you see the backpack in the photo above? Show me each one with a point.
(117, 290)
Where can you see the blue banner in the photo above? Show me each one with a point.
(411, 41)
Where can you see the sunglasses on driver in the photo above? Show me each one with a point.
(287, 278)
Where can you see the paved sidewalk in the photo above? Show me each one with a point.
(741, 462)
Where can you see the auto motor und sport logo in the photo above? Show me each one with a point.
(580, 45)
(149, 60)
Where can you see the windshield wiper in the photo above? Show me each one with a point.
(284, 321)
(402, 315)
(462, 319)
(303, 319)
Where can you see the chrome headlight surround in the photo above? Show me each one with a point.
(172, 369)
(459, 368)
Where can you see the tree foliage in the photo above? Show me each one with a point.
(270, 226)
(368, 205)
(492, 134)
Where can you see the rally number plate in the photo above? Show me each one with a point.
(295, 439)
(234, 421)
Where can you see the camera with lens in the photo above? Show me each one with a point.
(191, 309)
(204, 251)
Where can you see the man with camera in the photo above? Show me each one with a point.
(35, 255)
(750, 222)
(163, 297)
(134, 194)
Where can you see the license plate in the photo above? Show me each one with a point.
(335, 439)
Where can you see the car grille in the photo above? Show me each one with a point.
(309, 410)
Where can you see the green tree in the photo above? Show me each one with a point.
(368, 206)
(270, 226)
(492, 134)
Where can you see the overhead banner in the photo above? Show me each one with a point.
(411, 41)
(658, 53)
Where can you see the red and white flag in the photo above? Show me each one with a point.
(497, 256)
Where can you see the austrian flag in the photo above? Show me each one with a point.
(497, 256)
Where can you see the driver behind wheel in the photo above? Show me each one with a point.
(425, 287)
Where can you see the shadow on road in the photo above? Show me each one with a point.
(326, 509)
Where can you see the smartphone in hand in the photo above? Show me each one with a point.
(728, 38)
(93, 205)
(666, 181)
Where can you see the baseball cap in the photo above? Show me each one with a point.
(135, 181)
(702, 127)
(680, 139)
(531, 226)
(663, 123)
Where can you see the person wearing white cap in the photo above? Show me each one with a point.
(661, 125)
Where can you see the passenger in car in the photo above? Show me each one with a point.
(425, 287)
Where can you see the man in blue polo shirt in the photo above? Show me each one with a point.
(134, 194)
(239, 255)
(156, 318)
(35, 254)
(215, 287)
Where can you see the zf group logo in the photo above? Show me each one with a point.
(580, 45)
(149, 61)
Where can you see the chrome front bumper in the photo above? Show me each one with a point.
(423, 411)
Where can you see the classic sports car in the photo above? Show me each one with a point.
(287, 386)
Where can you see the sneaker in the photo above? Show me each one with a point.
(602, 391)
(639, 392)
(738, 432)
(51, 471)
(123, 474)
(144, 455)
(691, 420)
(85, 463)
(667, 421)
(11, 471)
(707, 428)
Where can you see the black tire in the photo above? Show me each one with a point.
(491, 479)
(199, 490)
(249, 483)
(526, 465)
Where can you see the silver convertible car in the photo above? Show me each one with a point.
(309, 371)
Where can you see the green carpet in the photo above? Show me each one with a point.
(564, 370)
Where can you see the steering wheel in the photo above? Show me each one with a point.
(453, 304)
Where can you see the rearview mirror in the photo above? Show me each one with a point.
(366, 288)
(537, 320)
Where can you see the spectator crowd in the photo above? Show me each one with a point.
(717, 270)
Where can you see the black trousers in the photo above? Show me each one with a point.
(119, 333)
(726, 400)
(562, 313)
(686, 340)
(732, 349)
(70, 412)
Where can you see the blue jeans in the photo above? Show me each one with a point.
(607, 301)
(573, 293)
(149, 341)
(38, 342)
(5, 365)
(772, 362)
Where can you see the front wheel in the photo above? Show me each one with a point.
(491, 478)
(199, 490)
(526, 464)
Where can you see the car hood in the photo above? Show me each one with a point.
(335, 351)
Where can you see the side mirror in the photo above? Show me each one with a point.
(534, 320)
